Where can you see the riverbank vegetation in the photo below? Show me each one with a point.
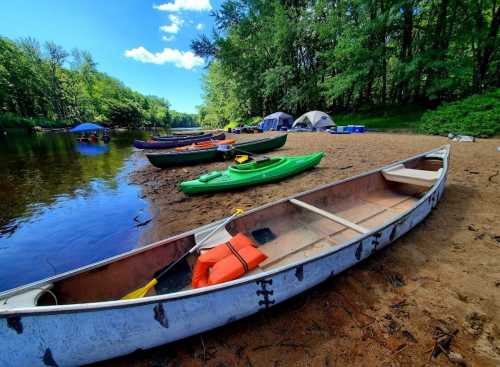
(347, 57)
(182, 119)
(476, 116)
(51, 87)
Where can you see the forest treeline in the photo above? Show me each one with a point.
(49, 86)
(346, 55)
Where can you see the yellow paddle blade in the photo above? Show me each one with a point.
(141, 292)
(238, 211)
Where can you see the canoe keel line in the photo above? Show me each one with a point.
(75, 334)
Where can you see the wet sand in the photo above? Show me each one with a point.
(444, 274)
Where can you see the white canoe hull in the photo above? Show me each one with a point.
(90, 333)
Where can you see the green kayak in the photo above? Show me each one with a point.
(253, 173)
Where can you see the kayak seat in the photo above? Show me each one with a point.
(400, 173)
(226, 261)
(257, 165)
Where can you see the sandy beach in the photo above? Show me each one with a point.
(442, 277)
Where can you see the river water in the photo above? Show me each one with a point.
(65, 204)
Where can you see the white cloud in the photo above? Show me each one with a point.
(187, 60)
(173, 27)
(179, 5)
(168, 38)
(199, 26)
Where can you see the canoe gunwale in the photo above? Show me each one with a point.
(89, 307)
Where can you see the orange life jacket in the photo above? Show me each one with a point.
(226, 261)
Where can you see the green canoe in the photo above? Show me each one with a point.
(252, 173)
(169, 159)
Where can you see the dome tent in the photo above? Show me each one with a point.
(314, 120)
(275, 120)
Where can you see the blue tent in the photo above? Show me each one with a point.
(85, 127)
(276, 120)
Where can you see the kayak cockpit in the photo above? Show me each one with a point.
(257, 166)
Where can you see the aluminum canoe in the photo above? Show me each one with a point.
(317, 234)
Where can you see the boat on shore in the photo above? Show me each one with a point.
(252, 173)
(79, 317)
(169, 159)
(179, 136)
(176, 142)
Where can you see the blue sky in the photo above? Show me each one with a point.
(143, 43)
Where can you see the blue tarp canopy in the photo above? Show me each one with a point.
(275, 120)
(86, 126)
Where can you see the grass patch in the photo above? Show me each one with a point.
(477, 116)
(391, 118)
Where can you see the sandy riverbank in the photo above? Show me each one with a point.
(384, 312)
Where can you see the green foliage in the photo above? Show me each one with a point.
(253, 121)
(478, 115)
(180, 119)
(12, 120)
(389, 118)
(296, 56)
(47, 86)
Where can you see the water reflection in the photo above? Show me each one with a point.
(63, 205)
(91, 149)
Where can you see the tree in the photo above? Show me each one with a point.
(57, 85)
(340, 55)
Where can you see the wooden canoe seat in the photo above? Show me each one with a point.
(417, 177)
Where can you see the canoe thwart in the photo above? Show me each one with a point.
(330, 216)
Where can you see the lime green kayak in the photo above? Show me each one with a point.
(253, 173)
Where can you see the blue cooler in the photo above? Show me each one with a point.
(343, 130)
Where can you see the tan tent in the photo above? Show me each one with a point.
(314, 120)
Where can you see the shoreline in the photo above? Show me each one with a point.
(445, 273)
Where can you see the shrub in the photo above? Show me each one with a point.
(12, 120)
(477, 116)
(252, 121)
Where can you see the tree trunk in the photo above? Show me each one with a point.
(484, 52)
